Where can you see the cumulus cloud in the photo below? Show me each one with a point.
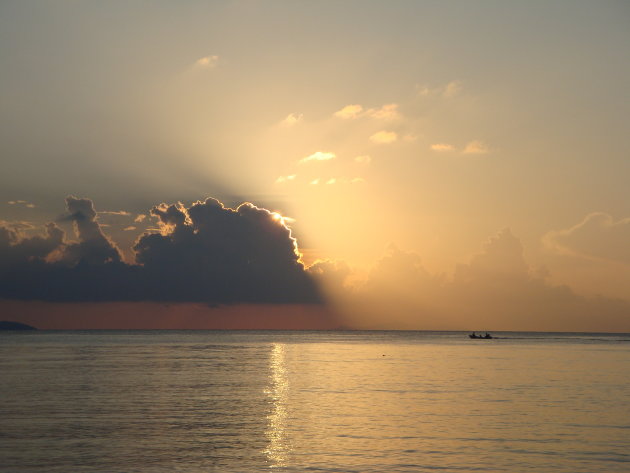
(292, 119)
(22, 202)
(502, 256)
(331, 272)
(476, 147)
(452, 89)
(495, 290)
(93, 246)
(16, 249)
(363, 159)
(597, 236)
(18, 226)
(442, 147)
(386, 112)
(397, 269)
(283, 179)
(318, 156)
(349, 112)
(207, 62)
(203, 253)
(139, 218)
(212, 252)
(384, 137)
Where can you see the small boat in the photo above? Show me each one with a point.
(487, 336)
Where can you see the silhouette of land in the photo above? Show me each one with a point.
(7, 325)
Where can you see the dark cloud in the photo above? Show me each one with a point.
(239, 255)
(93, 247)
(17, 250)
(205, 253)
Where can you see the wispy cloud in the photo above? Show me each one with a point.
(363, 159)
(349, 112)
(386, 112)
(140, 218)
(318, 156)
(21, 202)
(114, 212)
(18, 226)
(207, 62)
(423, 90)
(476, 147)
(450, 90)
(597, 236)
(129, 228)
(292, 119)
(283, 179)
(384, 137)
(442, 147)
(337, 180)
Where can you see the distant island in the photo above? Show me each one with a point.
(6, 325)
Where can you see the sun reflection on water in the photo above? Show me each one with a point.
(278, 448)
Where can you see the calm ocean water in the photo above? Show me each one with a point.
(204, 401)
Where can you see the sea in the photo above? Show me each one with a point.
(311, 401)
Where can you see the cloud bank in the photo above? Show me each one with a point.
(204, 253)
(495, 290)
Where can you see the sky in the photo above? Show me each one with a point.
(356, 164)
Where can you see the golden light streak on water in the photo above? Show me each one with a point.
(278, 448)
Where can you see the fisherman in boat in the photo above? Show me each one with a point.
(480, 336)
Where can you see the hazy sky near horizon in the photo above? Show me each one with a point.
(384, 130)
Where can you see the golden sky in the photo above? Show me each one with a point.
(458, 165)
